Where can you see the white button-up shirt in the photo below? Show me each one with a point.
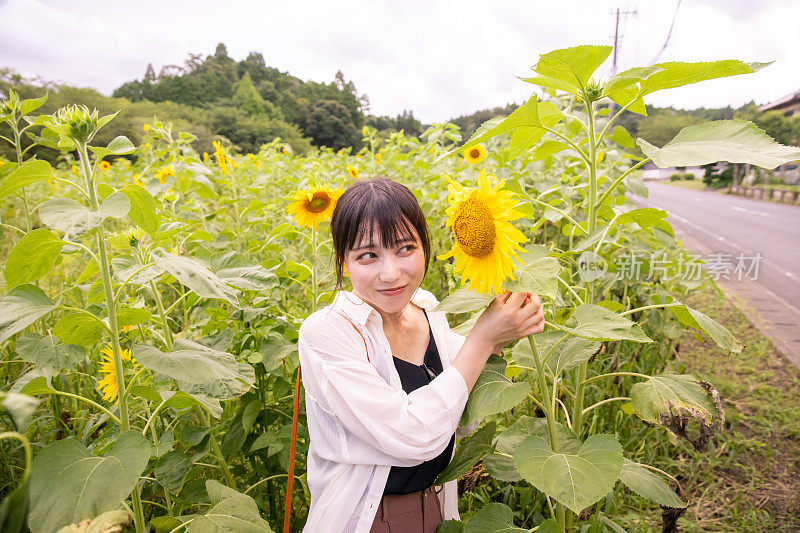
(361, 422)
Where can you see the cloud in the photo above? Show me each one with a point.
(439, 59)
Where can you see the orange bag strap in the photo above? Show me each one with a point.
(295, 412)
(359, 333)
(290, 479)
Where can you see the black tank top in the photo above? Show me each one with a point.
(408, 479)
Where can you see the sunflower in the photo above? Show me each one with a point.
(108, 385)
(162, 174)
(475, 154)
(378, 158)
(486, 243)
(314, 205)
(219, 153)
(352, 171)
(105, 165)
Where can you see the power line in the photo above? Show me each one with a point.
(669, 34)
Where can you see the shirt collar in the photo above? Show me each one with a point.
(359, 311)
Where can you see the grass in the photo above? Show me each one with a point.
(749, 480)
(697, 185)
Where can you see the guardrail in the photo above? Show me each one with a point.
(766, 193)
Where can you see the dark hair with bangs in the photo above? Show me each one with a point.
(381, 203)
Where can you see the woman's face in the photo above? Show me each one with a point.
(386, 278)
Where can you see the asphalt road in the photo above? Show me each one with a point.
(710, 223)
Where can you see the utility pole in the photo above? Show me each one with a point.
(617, 36)
(616, 42)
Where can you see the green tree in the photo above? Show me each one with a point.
(469, 123)
(785, 130)
(249, 132)
(659, 128)
(404, 121)
(247, 98)
(329, 123)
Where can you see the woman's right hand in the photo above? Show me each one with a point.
(510, 317)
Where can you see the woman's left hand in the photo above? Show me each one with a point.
(498, 349)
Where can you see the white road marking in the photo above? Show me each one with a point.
(751, 212)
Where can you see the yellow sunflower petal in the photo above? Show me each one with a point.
(486, 244)
(312, 206)
(474, 154)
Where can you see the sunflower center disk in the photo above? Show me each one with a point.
(474, 228)
(318, 203)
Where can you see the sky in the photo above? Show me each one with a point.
(439, 59)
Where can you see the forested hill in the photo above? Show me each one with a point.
(247, 100)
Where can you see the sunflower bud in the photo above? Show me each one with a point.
(594, 90)
(135, 235)
(5, 110)
(7, 107)
(76, 122)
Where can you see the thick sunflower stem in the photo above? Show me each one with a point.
(18, 148)
(550, 414)
(163, 316)
(25, 207)
(544, 391)
(592, 171)
(138, 510)
(108, 292)
(580, 390)
(111, 309)
(577, 412)
(215, 448)
(235, 187)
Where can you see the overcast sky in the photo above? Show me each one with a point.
(439, 59)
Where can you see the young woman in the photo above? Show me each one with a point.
(385, 379)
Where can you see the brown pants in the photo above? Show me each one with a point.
(418, 512)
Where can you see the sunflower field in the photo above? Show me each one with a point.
(152, 295)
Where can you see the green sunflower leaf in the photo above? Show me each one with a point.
(493, 392)
(69, 484)
(230, 511)
(493, 518)
(576, 480)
